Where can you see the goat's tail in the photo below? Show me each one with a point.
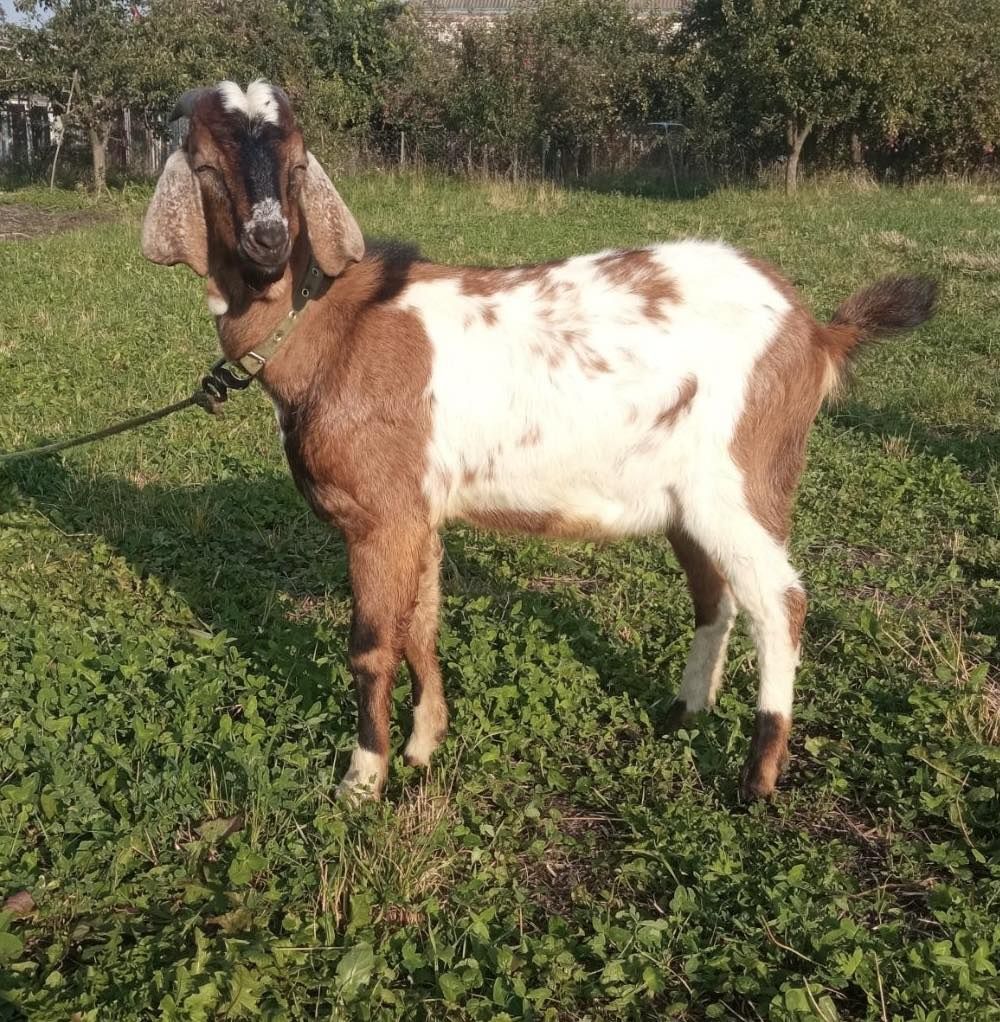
(889, 306)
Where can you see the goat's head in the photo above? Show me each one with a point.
(242, 189)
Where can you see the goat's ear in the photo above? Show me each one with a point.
(174, 228)
(333, 232)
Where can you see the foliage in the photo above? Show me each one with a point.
(781, 69)
(915, 81)
(566, 76)
(189, 43)
(176, 708)
(91, 42)
(954, 119)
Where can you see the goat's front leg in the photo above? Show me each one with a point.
(385, 568)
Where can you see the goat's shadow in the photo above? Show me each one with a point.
(975, 455)
(248, 558)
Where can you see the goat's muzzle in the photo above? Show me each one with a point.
(266, 245)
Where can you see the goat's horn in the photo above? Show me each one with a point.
(185, 105)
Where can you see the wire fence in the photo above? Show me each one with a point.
(140, 143)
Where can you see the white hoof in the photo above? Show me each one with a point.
(365, 777)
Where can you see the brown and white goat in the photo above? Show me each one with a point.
(667, 389)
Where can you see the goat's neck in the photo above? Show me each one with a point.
(253, 316)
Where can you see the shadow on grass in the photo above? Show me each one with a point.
(248, 558)
(974, 454)
(653, 184)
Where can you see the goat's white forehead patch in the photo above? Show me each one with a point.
(258, 103)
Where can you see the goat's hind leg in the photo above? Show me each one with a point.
(714, 613)
(430, 710)
(767, 587)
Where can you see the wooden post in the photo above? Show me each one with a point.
(62, 134)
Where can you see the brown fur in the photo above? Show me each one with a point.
(667, 419)
(420, 648)
(768, 756)
(705, 582)
(639, 272)
(783, 395)
(795, 607)
(350, 386)
(793, 376)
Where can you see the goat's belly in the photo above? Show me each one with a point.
(582, 479)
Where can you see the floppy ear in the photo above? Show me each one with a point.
(334, 233)
(173, 230)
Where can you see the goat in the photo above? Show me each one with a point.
(668, 389)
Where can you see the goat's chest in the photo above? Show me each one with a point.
(350, 473)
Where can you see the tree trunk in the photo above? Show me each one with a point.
(857, 153)
(99, 153)
(798, 132)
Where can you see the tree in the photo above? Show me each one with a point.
(797, 65)
(950, 114)
(94, 39)
(190, 43)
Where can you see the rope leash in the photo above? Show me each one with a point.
(209, 396)
(223, 377)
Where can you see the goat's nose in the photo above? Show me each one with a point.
(270, 235)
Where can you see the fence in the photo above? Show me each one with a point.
(138, 145)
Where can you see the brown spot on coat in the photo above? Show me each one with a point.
(667, 418)
(705, 582)
(531, 437)
(639, 271)
(535, 523)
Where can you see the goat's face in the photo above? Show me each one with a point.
(243, 188)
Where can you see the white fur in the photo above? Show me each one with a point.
(261, 103)
(233, 97)
(365, 777)
(703, 671)
(217, 305)
(258, 102)
(599, 459)
(265, 212)
(423, 739)
(592, 461)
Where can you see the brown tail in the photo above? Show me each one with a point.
(889, 306)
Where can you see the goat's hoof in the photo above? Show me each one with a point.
(768, 756)
(678, 716)
(419, 750)
(760, 776)
(354, 792)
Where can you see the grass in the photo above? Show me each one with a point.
(175, 705)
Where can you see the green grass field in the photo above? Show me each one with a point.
(175, 706)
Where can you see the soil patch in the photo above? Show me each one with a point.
(19, 222)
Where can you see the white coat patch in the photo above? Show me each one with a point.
(559, 401)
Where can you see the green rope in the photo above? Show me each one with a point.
(199, 397)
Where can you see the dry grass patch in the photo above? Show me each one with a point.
(409, 858)
(971, 262)
(895, 241)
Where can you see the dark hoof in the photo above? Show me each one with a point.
(677, 716)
